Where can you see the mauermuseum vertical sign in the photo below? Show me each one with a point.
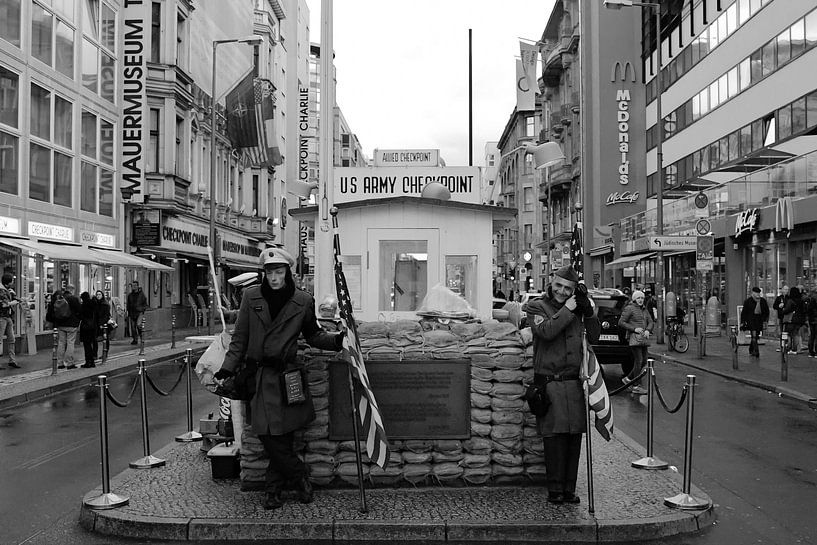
(136, 26)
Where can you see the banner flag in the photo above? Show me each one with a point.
(529, 54)
(525, 94)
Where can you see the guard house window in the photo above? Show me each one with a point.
(403, 274)
(461, 276)
(9, 122)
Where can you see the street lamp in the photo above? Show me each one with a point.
(211, 240)
(659, 142)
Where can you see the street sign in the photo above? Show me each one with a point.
(673, 243)
(703, 227)
(705, 248)
(704, 264)
(701, 200)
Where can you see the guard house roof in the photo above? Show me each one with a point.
(499, 214)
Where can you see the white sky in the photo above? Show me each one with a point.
(402, 69)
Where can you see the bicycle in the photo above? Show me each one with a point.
(677, 337)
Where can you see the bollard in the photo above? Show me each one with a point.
(684, 500)
(141, 329)
(106, 343)
(211, 309)
(733, 339)
(190, 435)
(54, 352)
(197, 313)
(148, 460)
(650, 462)
(106, 500)
(173, 330)
(784, 364)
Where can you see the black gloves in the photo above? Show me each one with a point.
(339, 339)
(222, 373)
(583, 305)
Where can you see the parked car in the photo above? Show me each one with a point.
(612, 347)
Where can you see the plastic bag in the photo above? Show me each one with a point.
(213, 358)
(443, 302)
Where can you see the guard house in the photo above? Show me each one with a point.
(404, 230)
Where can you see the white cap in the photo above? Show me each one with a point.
(276, 256)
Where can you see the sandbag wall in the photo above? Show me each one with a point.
(504, 446)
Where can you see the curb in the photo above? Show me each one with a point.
(584, 528)
(111, 370)
(781, 391)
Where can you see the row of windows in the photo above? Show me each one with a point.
(53, 39)
(789, 44)
(790, 120)
(730, 19)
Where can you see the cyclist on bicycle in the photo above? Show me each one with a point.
(753, 317)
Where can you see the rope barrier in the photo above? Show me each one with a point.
(664, 403)
(159, 390)
(118, 403)
(629, 384)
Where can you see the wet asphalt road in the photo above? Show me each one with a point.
(51, 454)
(754, 454)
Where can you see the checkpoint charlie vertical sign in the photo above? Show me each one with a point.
(133, 119)
(363, 183)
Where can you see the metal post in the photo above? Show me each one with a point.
(734, 341)
(784, 364)
(190, 435)
(147, 461)
(106, 343)
(703, 330)
(659, 194)
(650, 462)
(56, 338)
(173, 330)
(106, 500)
(141, 329)
(684, 500)
(211, 237)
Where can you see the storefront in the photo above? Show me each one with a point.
(53, 257)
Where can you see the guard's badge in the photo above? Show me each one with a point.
(538, 319)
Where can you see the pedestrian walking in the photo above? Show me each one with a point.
(136, 305)
(558, 321)
(811, 318)
(753, 318)
(650, 304)
(64, 312)
(778, 304)
(8, 305)
(636, 319)
(103, 321)
(88, 328)
(794, 317)
(270, 320)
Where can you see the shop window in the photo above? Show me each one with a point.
(461, 276)
(9, 163)
(9, 97)
(403, 274)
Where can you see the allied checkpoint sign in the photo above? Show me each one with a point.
(359, 184)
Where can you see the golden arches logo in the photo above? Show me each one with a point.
(619, 71)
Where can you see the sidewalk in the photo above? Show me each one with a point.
(763, 372)
(34, 379)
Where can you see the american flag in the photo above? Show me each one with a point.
(377, 445)
(576, 251)
(251, 120)
(598, 398)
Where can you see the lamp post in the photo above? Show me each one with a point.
(211, 239)
(659, 150)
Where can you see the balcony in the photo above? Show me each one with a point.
(556, 125)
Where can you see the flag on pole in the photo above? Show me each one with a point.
(529, 54)
(577, 251)
(377, 445)
(525, 94)
(251, 120)
(598, 398)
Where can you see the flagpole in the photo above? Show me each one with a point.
(355, 417)
(591, 505)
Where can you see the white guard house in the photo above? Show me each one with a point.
(397, 244)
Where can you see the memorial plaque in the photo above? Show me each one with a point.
(146, 228)
(418, 399)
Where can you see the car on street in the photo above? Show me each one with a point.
(612, 347)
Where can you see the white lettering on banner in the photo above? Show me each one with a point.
(747, 221)
(97, 239)
(304, 129)
(415, 157)
(352, 184)
(623, 197)
(623, 122)
(56, 232)
(134, 75)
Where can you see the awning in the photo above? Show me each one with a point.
(630, 259)
(601, 250)
(243, 265)
(116, 257)
(678, 252)
(82, 254)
